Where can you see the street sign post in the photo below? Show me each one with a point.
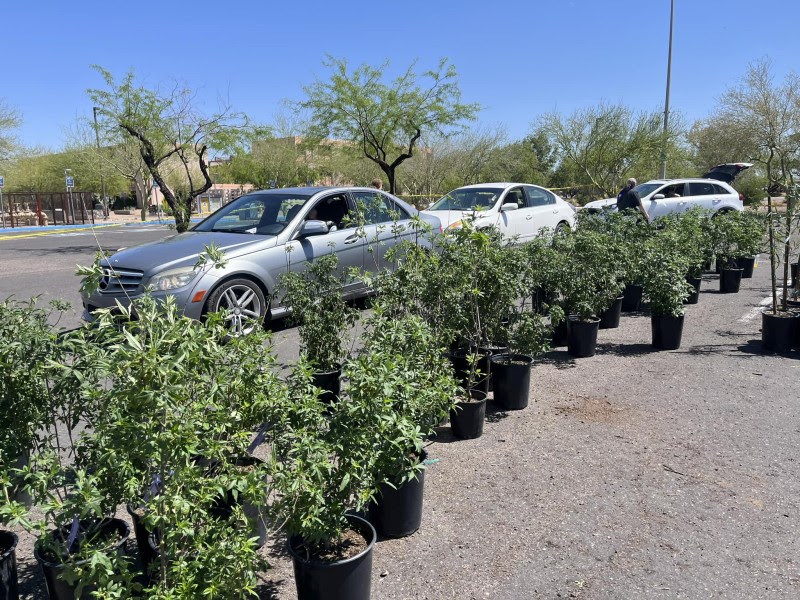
(2, 208)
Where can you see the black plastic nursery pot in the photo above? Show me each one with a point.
(730, 280)
(512, 380)
(582, 337)
(466, 419)
(779, 331)
(609, 318)
(694, 297)
(793, 273)
(632, 297)
(666, 331)
(330, 384)
(348, 579)
(746, 264)
(397, 510)
(492, 350)
(462, 365)
(8, 566)
(57, 588)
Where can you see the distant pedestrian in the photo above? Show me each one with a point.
(377, 183)
(629, 200)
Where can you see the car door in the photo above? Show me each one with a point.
(703, 194)
(541, 211)
(509, 222)
(343, 239)
(384, 224)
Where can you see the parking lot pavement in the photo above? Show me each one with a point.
(632, 474)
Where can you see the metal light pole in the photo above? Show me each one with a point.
(104, 199)
(666, 101)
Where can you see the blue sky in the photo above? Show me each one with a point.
(517, 59)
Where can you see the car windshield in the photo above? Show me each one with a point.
(645, 189)
(257, 214)
(468, 199)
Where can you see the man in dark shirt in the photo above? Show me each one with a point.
(629, 199)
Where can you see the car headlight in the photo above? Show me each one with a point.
(456, 225)
(173, 279)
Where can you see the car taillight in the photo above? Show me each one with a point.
(741, 197)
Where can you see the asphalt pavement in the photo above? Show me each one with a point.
(632, 474)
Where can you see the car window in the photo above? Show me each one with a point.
(718, 189)
(701, 188)
(468, 199)
(332, 209)
(259, 214)
(515, 196)
(674, 190)
(375, 207)
(538, 196)
(645, 189)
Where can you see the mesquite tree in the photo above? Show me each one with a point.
(385, 120)
(173, 136)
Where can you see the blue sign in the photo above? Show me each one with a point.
(70, 182)
(2, 181)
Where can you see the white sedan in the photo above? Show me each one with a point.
(518, 210)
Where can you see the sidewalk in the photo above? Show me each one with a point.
(114, 220)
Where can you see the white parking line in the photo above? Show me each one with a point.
(755, 311)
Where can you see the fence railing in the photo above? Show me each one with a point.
(21, 209)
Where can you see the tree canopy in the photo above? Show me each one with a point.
(386, 120)
(172, 135)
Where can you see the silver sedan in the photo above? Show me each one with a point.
(262, 235)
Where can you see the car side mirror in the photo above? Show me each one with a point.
(312, 228)
(509, 206)
(658, 197)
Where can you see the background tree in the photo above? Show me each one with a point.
(10, 119)
(385, 120)
(767, 115)
(172, 136)
(609, 143)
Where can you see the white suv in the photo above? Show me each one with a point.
(712, 192)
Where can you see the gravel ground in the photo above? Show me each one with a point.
(632, 474)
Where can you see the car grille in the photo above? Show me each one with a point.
(118, 281)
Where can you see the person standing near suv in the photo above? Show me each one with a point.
(629, 199)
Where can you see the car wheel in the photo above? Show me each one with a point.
(243, 303)
(562, 228)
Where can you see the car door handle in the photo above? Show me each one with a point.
(529, 217)
(555, 211)
(351, 239)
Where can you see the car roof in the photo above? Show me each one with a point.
(503, 184)
(311, 190)
(678, 180)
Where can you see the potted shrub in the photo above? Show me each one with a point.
(27, 343)
(404, 378)
(751, 240)
(325, 476)
(666, 287)
(315, 297)
(590, 270)
(173, 447)
(528, 337)
(728, 233)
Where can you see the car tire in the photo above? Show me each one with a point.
(244, 302)
(563, 227)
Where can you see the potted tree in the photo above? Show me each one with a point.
(779, 326)
(666, 287)
(316, 300)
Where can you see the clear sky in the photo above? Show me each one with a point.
(517, 59)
